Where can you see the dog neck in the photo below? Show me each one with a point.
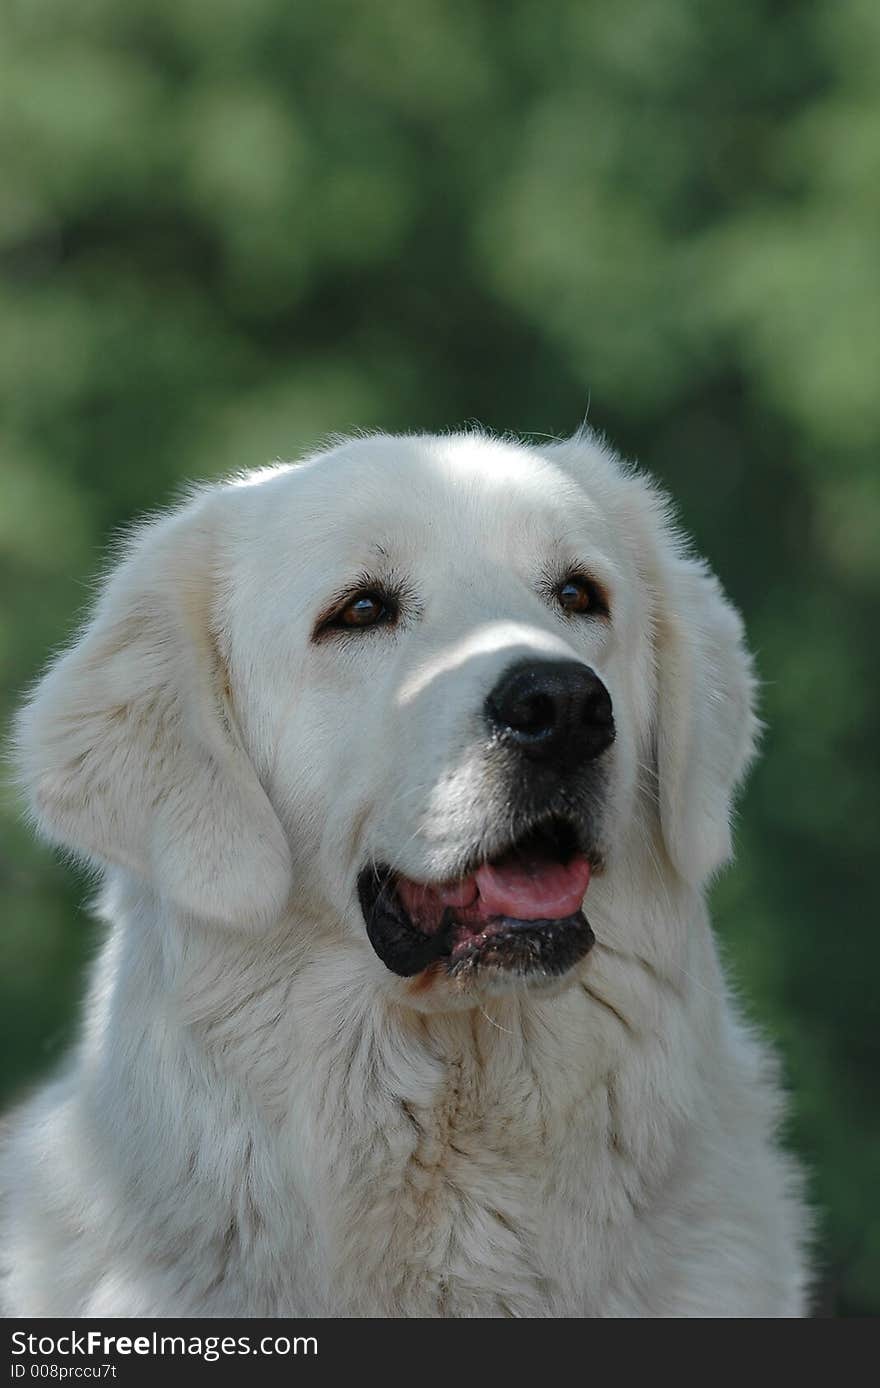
(377, 1121)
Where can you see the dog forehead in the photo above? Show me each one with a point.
(413, 496)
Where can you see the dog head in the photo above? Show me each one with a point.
(416, 691)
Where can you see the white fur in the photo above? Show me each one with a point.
(259, 1119)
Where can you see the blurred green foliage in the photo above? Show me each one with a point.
(228, 227)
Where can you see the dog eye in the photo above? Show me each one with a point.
(366, 607)
(364, 610)
(582, 596)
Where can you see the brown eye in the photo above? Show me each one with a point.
(365, 610)
(581, 596)
(358, 611)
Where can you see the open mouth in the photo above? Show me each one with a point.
(520, 912)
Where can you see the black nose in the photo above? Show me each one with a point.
(553, 710)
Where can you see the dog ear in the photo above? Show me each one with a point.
(129, 749)
(705, 723)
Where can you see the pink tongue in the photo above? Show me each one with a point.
(526, 890)
(532, 891)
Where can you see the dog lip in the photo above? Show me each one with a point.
(548, 947)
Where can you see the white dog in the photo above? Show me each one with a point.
(351, 742)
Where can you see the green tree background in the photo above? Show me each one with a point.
(229, 227)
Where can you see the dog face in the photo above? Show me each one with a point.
(417, 689)
(452, 737)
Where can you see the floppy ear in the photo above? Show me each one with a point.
(705, 727)
(705, 722)
(128, 746)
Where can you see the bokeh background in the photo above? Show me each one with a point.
(229, 227)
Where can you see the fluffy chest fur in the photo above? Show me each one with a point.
(483, 1199)
(565, 1157)
(273, 1155)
